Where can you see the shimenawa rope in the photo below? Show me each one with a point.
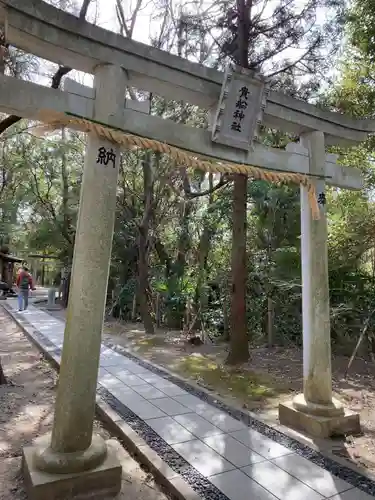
(55, 120)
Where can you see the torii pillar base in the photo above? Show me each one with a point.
(319, 421)
(101, 482)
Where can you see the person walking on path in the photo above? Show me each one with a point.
(24, 284)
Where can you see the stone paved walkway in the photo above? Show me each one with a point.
(221, 452)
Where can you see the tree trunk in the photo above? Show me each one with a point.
(134, 308)
(200, 292)
(226, 321)
(66, 289)
(163, 257)
(204, 250)
(43, 273)
(66, 228)
(158, 310)
(3, 379)
(143, 282)
(270, 339)
(144, 285)
(184, 240)
(239, 346)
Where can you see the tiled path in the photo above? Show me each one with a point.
(221, 452)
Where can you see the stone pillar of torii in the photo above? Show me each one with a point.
(315, 411)
(76, 395)
(72, 457)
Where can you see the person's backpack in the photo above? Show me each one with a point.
(24, 281)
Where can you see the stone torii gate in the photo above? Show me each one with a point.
(72, 452)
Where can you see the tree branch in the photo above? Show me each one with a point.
(223, 182)
(187, 188)
(121, 18)
(8, 122)
(292, 64)
(56, 79)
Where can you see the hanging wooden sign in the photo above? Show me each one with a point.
(240, 108)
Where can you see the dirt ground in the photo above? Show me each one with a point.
(271, 376)
(26, 411)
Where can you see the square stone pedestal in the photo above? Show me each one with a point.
(102, 482)
(317, 426)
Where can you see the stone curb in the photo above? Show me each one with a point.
(148, 457)
(174, 483)
(32, 339)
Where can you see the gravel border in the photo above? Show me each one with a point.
(347, 474)
(174, 460)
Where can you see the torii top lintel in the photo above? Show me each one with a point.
(55, 35)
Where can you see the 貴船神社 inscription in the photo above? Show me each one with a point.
(239, 110)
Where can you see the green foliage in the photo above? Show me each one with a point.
(361, 27)
(352, 214)
(41, 183)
